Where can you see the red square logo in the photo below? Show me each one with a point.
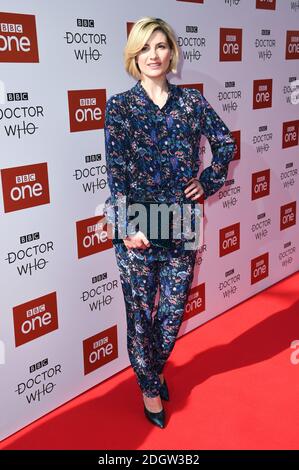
(237, 136)
(259, 268)
(229, 239)
(87, 109)
(262, 94)
(92, 236)
(25, 186)
(230, 45)
(266, 4)
(290, 134)
(18, 40)
(196, 302)
(35, 318)
(260, 184)
(100, 349)
(288, 215)
(292, 45)
(191, 1)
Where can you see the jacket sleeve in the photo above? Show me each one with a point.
(116, 150)
(223, 147)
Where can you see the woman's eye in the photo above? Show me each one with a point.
(160, 45)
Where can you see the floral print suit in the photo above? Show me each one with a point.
(152, 153)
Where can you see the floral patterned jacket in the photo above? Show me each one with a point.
(153, 152)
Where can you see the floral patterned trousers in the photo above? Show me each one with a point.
(151, 338)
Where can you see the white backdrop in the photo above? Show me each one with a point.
(62, 323)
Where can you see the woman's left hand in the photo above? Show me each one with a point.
(194, 189)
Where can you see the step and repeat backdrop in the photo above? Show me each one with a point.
(62, 323)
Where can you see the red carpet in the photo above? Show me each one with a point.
(232, 385)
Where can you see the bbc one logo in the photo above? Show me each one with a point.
(237, 136)
(230, 48)
(229, 239)
(86, 109)
(18, 40)
(266, 4)
(262, 94)
(290, 131)
(35, 318)
(259, 268)
(260, 184)
(25, 186)
(92, 236)
(100, 349)
(288, 215)
(191, 1)
(292, 45)
(196, 302)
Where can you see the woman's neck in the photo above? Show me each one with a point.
(155, 88)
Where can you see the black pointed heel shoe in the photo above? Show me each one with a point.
(155, 418)
(164, 393)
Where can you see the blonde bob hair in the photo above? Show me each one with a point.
(139, 34)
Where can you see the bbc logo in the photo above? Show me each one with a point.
(25, 178)
(38, 365)
(21, 96)
(88, 101)
(98, 278)
(11, 28)
(93, 158)
(85, 23)
(30, 237)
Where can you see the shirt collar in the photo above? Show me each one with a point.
(142, 93)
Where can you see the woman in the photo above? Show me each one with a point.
(152, 136)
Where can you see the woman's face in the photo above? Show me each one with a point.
(154, 57)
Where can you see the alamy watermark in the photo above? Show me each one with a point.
(2, 352)
(295, 92)
(294, 358)
(157, 220)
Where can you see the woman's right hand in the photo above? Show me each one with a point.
(138, 240)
